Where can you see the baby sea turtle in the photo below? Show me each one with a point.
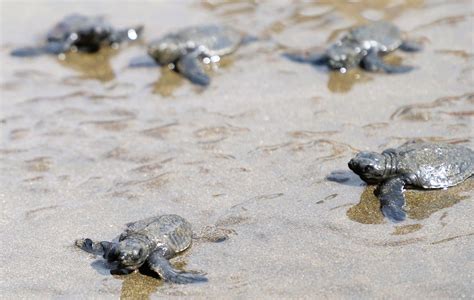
(153, 241)
(186, 50)
(80, 33)
(416, 164)
(363, 46)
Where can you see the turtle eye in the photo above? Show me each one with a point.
(88, 244)
(368, 169)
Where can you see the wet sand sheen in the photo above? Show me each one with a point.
(420, 204)
(88, 149)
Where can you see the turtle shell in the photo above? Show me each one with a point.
(434, 165)
(217, 39)
(171, 230)
(383, 35)
(82, 26)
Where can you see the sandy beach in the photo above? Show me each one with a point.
(259, 157)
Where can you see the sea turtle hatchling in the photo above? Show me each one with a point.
(152, 241)
(363, 46)
(80, 33)
(185, 50)
(416, 164)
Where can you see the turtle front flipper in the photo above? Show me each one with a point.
(49, 48)
(373, 62)
(317, 59)
(161, 265)
(190, 66)
(28, 51)
(96, 248)
(392, 200)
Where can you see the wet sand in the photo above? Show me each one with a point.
(84, 151)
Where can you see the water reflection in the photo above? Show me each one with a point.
(170, 80)
(138, 285)
(420, 204)
(343, 82)
(90, 66)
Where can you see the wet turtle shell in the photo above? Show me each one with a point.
(184, 51)
(416, 164)
(432, 165)
(213, 40)
(363, 46)
(171, 230)
(383, 35)
(80, 33)
(153, 242)
(86, 33)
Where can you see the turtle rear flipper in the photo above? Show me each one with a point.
(142, 61)
(374, 63)
(392, 199)
(190, 66)
(317, 59)
(161, 265)
(411, 46)
(248, 39)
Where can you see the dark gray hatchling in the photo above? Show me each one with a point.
(187, 49)
(363, 46)
(81, 33)
(152, 241)
(416, 164)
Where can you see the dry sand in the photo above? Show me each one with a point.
(85, 150)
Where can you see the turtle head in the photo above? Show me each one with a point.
(165, 51)
(344, 54)
(370, 166)
(130, 254)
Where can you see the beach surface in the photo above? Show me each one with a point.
(257, 162)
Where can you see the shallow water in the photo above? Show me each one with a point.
(257, 162)
(420, 204)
